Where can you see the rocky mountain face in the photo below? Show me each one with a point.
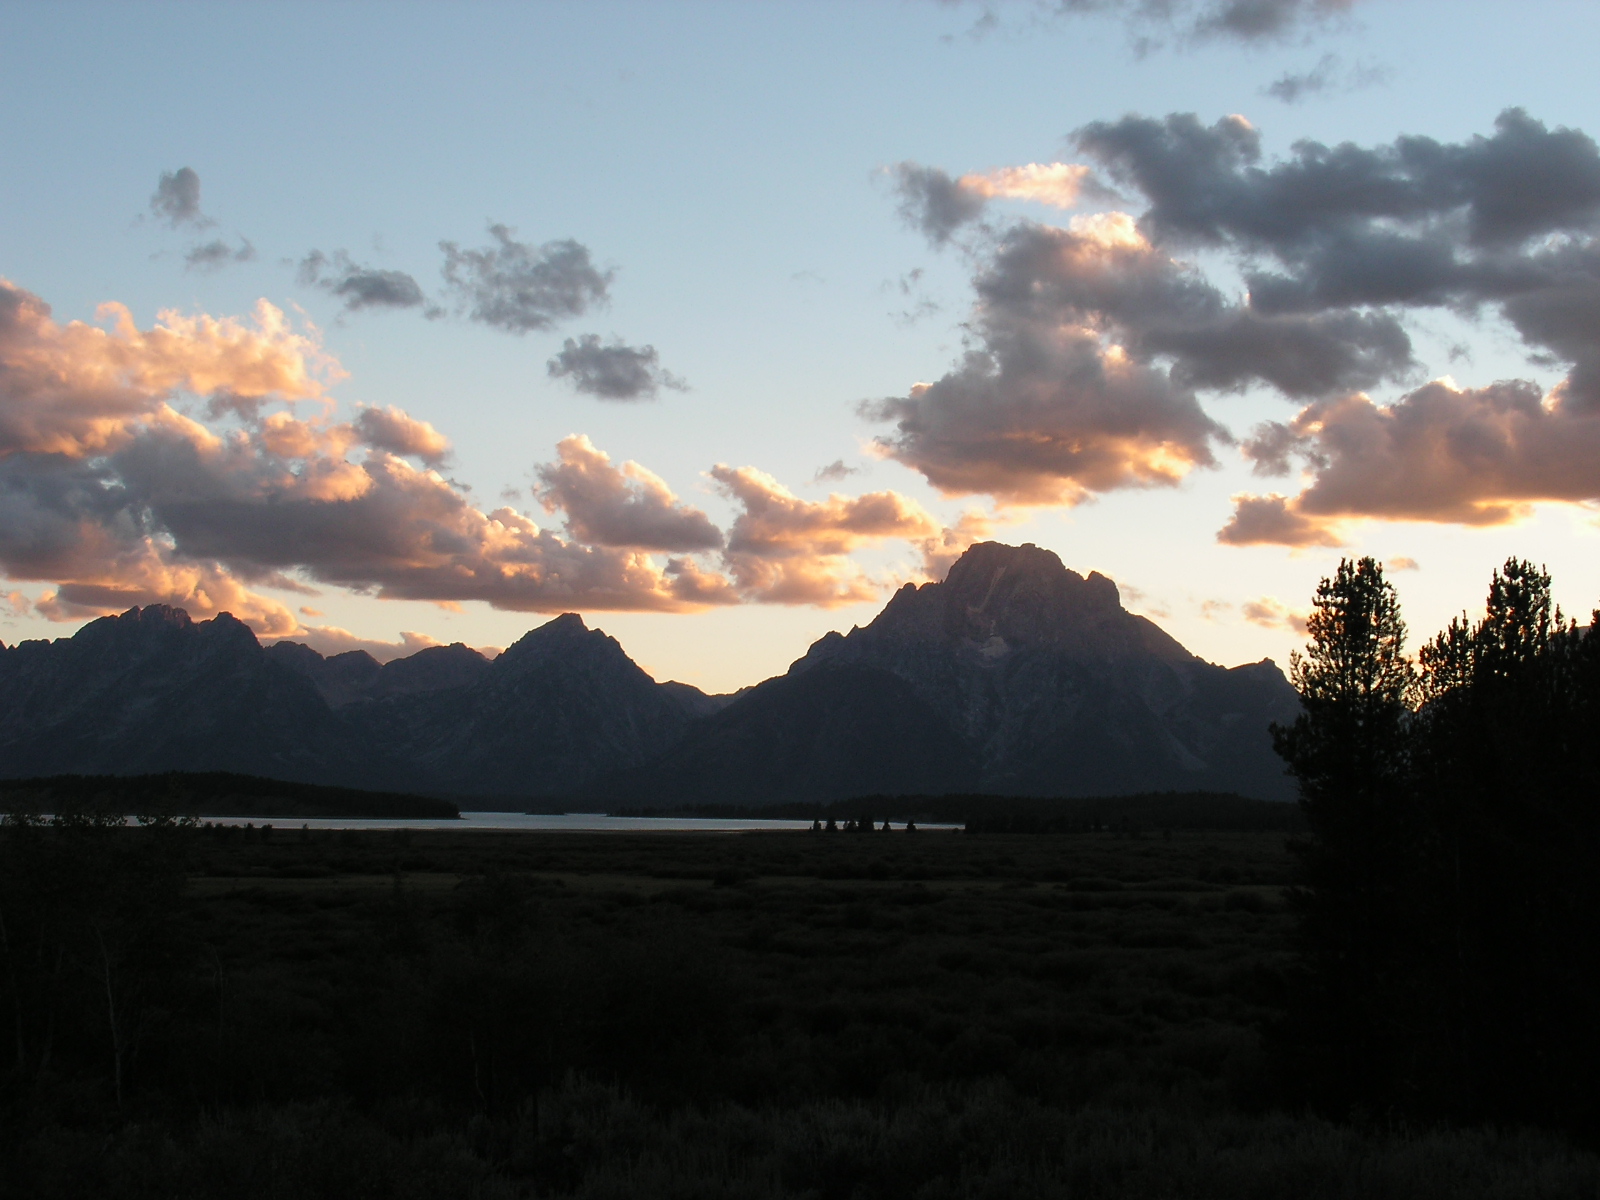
(1014, 675)
(152, 691)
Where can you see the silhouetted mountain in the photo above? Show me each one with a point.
(152, 691)
(346, 678)
(1014, 676)
(560, 706)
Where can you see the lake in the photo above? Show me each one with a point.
(568, 822)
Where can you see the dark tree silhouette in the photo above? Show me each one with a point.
(1450, 910)
(1348, 751)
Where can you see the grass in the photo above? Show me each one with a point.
(927, 1015)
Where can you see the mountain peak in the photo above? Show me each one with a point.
(154, 615)
(1023, 594)
(559, 635)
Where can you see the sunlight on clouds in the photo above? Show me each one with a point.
(1056, 184)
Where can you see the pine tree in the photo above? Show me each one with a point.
(1348, 751)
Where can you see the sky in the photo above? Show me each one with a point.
(385, 325)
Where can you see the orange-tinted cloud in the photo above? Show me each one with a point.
(1057, 184)
(115, 496)
(1092, 344)
(1464, 456)
(1271, 613)
(785, 550)
(1274, 520)
(147, 573)
(399, 433)
(627, 506)
(79, 389)
(329, 640)
(1048, 417)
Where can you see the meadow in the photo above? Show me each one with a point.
(836, 1014)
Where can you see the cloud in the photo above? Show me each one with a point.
(394, 431)
(785, 550)
(834, 472)
(378, 524)
(1327, 75)
(360, 287)
(1273, 521)
(1271, 613)
(518, 287)
(1091, 343)
(938, 206)
(933, 203)
(1153, 23)
(1253, 20)
(216, 254)
(329, 640)
(16, 604)
(114, 497)
(627, 506)
(78, 389)
(1058, 185)
(1401, 562)
(1052, 406)
(1441, 453)
(940, 551)
(109, 492)
(1506, 220)
(176, 199)
(1204, 185)
(612, 372)
(1291, 87)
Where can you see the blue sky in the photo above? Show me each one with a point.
(727, 162)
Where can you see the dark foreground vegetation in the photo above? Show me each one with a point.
(209, 794)
(1451, 907)
(196, 1012)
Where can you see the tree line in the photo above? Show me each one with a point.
(1450, 880)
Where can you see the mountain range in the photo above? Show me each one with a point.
(1013, 675)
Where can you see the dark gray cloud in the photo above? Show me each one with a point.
(216, 254)
(177, 199)
(518, 287)
(1253, 20)
(1155, 23)
(360, 287)
(1292, 87)
(1205, 186)
(834, 472)
(933, 203)
(1507, 220)
(614, 371)
(1104, 275)
(1328, 75)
